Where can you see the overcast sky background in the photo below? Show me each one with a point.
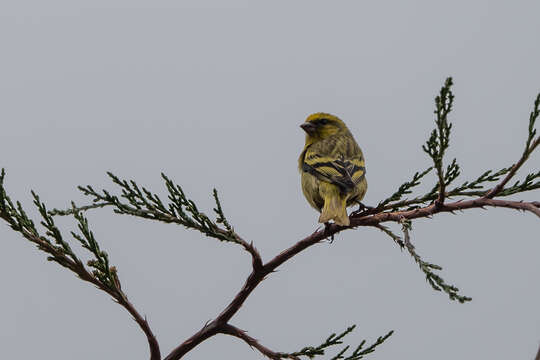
(212, 95)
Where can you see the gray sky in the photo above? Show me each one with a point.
(213, 95)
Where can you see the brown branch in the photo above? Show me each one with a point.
(250, 248)
(442, 188)
(208, 330)
(371, 217)
(145, 327)
(537, 354)
(220, 324)
(423, 200)
(254, 343)
(431, 210)
(393, 236)
(215, 326)
(533, 206)
(122, 299)
(78, 268)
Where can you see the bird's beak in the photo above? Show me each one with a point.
(309, 128)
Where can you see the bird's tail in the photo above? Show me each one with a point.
(334, 206)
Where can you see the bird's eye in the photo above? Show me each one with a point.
(323, 121)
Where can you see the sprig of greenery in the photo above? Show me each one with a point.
(336, 339)
(53, 242)
(436, 282)
(468, 188)
(435, 147)
(102, 275)
(52, 231)
(405, 188)
(397, 239)
(452, 172)
(100, 263)
(332, 340)
(478, 183)
(140, 202)
(221, 219)
(526, 184)
(531, 142)
(358, 353)
(71, 211)
(439, 139)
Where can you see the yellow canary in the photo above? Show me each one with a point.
(332, 168)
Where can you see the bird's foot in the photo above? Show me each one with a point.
(327, 228)
(361, 208)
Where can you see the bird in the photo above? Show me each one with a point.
(332, 168)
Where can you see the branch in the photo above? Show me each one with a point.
(259, 273)
(436, 282)
(103, 276)
(405, 188)
(75, 209)
(430, 210)
(336, 339)
(253, 280)
(309, 351)
(358, 353)
(221, 219)
(389, 232)
(467, 189)
(256, 277)
(180, 210)
(254, 343)
(530, 145)
(439, 140)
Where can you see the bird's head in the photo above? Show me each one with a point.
(320, 126)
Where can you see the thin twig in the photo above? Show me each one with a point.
(229, 329)
(118, 296)
(495, 190)
(530, 146)
(389, 232)
(71, 211)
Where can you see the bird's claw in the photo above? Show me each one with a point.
(327, 228)
(361, 208)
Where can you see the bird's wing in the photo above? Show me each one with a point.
(344, 172)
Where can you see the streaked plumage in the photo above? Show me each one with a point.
(332, 168)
